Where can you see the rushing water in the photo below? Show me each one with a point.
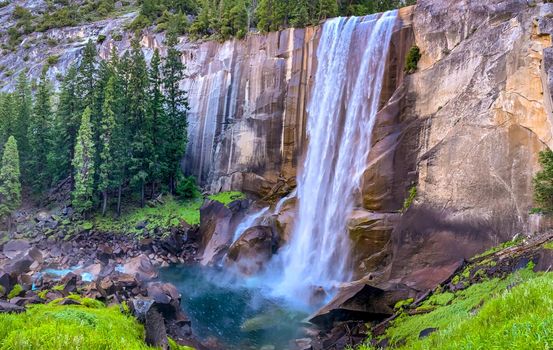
(257, 313)
(233, 309)
(249, 221)
(341, 115)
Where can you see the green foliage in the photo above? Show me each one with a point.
(39, 138)
(53, 327)
(462, 321)
(52, 60)
(176, 109)
(10, 187)
(107, 158)
(402, 304)
(139, 23)
(165, 216)
(543, 182)
(410, 198)
(65, 127)
(63, 14)
(23, 111)
(174, 346)
(187, 188)
(412, 60)
(83, 163)
(227, 197)
(134, 138)
(499, 247)
(16, 291)
(519, 318)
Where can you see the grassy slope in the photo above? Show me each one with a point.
(169, 214)
(511, 313)
(54, 327)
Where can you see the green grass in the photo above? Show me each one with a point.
(511, 313)
(496, 249)
(172, 213)
(168, 215)
(227, 197)
(56, 327)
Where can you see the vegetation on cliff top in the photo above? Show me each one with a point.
(223, 19)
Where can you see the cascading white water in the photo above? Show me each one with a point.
(249, 221)
(341, 114)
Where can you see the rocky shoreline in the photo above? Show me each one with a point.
(46, 265)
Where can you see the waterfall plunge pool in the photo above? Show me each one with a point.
(236, 311)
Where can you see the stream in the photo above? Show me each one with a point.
(234, 310)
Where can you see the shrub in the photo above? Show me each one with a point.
(139, 23)
(117, 36)
(187, 188)
(410, 198)
(543, 182)
(16, 291)
(412, 60)
(101, 38)
(52, 60)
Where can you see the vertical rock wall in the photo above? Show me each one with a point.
(248, 108)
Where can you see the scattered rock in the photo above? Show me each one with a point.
(426, 332)
(141, 267)
(10, 308)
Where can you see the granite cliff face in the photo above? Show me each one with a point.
(465, 129)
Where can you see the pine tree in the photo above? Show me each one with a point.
(201, 26)
(10, 187)
(39, 137)
(23, 111)
(7, 117)
(87, 75)
(176, 108)
(83, 165)
(122, 149)
(160, 125)
(107, 164)
(326, 9)
(300, 16)
(139, 123)
(68, 119)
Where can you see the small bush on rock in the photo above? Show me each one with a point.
(412, 60)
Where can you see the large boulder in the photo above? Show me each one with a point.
(360, 302)
(141, 267)
(253, 249)
(370, 235)
(16, 247)
(217, 223)
(24, 261)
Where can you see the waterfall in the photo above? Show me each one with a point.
(249, 221)
(341, 114)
